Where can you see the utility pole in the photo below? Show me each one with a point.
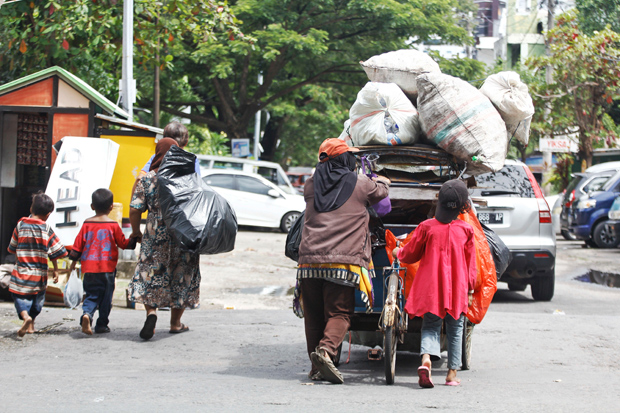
(257, 150)
(127, 83)
(548, 155)
(156, 93)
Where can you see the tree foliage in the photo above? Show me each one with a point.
(308, 54)
(85, 36)
(586, 76)
(81, 36)
(595, 15)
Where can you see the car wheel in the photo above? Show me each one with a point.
(288, 220)
(603, 237)
(543, 288)
(517, 286)
(568, 236)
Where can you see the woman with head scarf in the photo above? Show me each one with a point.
(165, 276)
(335, 251)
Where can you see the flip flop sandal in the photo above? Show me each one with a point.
(424, 374)
(326, 368)
(452, 383)
(316, 376)
(183, 329)
(149, 327)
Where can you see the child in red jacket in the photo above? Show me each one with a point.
(445, 279)
(96, 247)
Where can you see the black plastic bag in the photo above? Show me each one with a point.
(199, 219)
(293, 239)
(499, 250)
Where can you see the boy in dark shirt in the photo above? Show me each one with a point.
(96, 248)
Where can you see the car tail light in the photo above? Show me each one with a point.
(544, 213)
(571, 199)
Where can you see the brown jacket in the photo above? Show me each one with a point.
(340, 236)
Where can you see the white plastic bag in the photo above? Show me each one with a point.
(74, 291)
(383, 115)
(401, 67)
(512, 99)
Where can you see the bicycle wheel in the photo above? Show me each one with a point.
(389, 353)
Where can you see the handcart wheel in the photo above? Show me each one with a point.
(336, 359)
(468, 330)
(390, 340)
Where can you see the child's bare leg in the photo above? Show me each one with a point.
(27, 325)
(452, 376)
(86, 325)
(31, 328)
(426, 361)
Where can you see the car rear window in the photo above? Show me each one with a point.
(596, 184)
(511, 180)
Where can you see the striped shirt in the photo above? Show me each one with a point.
(32, 242)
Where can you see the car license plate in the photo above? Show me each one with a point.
(491, 217)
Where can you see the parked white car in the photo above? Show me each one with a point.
(256, 201)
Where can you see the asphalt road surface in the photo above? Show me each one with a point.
(245, 351)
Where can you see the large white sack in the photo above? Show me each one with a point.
(512, 99)
(461, 120)
(346, 133)
(401, 67)
(383, 115)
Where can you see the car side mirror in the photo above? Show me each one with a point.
(273, 193)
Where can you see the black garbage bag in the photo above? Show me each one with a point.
(293, 239)
(499, 250)
(199, 219)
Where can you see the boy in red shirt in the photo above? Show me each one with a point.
(33, 242)
(96, 248)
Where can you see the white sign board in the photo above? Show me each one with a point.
(240, 147)
(82, 166)
(557, 145)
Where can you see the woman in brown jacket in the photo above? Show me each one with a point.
(334, 251)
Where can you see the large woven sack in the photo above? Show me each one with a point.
(383, 115)
(511, 98)
(401, 67)
(462, 121)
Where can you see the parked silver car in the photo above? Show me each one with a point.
(517, 211)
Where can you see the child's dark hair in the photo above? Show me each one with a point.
(102, 200)
(41, 204)
(178, 132)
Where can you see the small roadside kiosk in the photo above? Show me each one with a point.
(39, 110)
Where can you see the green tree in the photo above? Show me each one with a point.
(596, 14)
(85, 36)
(308, 54)
(81, 36)
(586, 75)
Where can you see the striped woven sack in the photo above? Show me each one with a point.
(462, 121)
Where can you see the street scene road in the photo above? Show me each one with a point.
(245, 350)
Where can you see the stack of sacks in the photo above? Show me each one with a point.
(381, 115)
(511, 98)
(462, 121)
(384, 112)
(401, 67)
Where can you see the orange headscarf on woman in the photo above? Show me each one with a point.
(161, 149)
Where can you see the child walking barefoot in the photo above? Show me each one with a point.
(445, 280)
(32, 242)
(96, 247)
